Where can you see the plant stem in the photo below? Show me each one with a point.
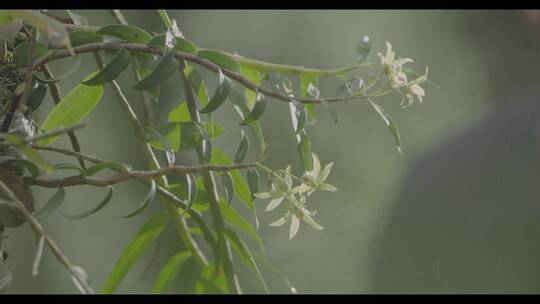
(224, 256)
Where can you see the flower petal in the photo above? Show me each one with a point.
(279, 222)
(274, 203)
(327, 187)
(309, 220)
(316, 165)
(325, 172)
(262, 195)
(295, 225)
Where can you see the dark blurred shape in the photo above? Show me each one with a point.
(10, 217)
(467, 219)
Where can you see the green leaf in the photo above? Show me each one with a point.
(36, 96)
(242, 150)
(53, 203)
(233, 218)
(241, 189)
(257, 112)
(182, 135)
(255, 77)
(112, 70)
(145, 203)
(228, 185)
(103, 203)
(128, 33)
(80, 37)
(253, 181)
(180, 113)
(201, 199)
(211, 281)
(304, 147)
(305, 80)
(32, 154)
(242, 109)
(21, 52)
(364, 49)
(197, 84)
(245, 255)
(68, 167)
(392, 126)
(222, 91)
(74, 66)
(206, 150)
(168, 273)
(223, 60)
(171, 159)
(164, 68)
(135, 249)
(118, 167)
(185, 46)
(72, 108)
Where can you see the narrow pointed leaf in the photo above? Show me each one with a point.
(54, 30)
(223, 60)
(128, 33)
(241, 189)
(107, 165)
(72, 109)
(180, 113)
(191, 184)
(257, 111)
(392, 126)
(304, 147)
(242, 250)
(197, 84)
(255, 77)
(168, 273)
(228, 184)
(53, 203)
(164, 68)
(171, 159)
(232, 217)
(242, 109)
(145, 203)
(101, 205)
(112, 70)
(253, 181)
(81, 37)
(222, 91)
(241, 152)
(135, 249)
(74, 66)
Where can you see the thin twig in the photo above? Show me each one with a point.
(92, 47)
(40, 233)
(133, 174)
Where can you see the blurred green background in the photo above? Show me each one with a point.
(477, 57)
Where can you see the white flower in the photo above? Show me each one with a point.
(392, 67)
(415, 90)
(314, 179)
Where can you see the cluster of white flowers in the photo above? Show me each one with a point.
(282, 190)
(393, 69)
